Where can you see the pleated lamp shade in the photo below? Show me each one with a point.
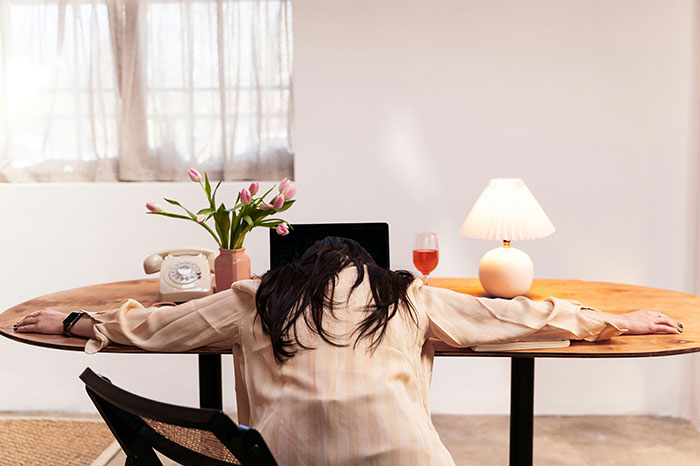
(506, 211)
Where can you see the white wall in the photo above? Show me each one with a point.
(404, 110)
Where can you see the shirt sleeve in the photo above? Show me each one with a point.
(462, 320)
(212, 320)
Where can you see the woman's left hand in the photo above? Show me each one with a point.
(645, 322)
(43, 321)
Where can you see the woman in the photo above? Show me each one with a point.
(333, 355)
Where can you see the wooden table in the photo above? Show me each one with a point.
(607, 297)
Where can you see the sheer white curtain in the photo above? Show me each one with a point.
(104, 90)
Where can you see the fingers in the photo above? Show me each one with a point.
(665, 321)
(42, 321)
(661, 323)
(29, 323)
(30, 319)
(28, 328)
(664, 328)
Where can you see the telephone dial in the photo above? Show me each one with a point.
(184, 273)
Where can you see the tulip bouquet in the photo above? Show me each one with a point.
(233, 224)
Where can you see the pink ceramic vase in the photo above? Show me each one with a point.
(230, 266)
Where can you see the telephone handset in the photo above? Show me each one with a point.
(184, 273)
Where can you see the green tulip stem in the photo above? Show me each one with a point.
(211, 232)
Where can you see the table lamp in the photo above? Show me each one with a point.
(506, 211)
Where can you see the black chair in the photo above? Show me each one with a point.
(189, 436)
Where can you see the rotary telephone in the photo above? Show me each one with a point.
(184, 273)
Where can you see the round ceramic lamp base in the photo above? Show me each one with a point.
(506, 272)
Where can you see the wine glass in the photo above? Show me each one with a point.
(425, 253)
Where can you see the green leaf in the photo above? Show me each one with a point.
(207, 211)
(191, 214)
(249, 220)
(257, 214)
(207, 186)
(216, 189)
(271, 223)
(222, 220)
(235, 207)
(267, 192)
(286, 205)
(169, 214)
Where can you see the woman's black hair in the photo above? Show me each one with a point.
(305, 288)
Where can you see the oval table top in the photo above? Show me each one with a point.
(609, 297)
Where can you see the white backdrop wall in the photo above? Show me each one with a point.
(404, 110)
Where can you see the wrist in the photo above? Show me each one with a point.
(615, 319)
(84, 327)
(70, 321)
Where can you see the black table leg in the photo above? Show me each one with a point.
(522, 385)
(210, 381)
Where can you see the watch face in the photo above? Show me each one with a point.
(70, 321)
(72, 317)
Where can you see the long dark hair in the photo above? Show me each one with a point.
(305, 288)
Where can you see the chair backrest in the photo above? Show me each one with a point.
(189, 436)
(374, 237)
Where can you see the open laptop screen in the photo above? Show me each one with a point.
(374, 237)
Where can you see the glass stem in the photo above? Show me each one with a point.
(425, 278)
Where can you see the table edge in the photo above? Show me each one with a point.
(446, 351)
(443, 350)
(529, 354)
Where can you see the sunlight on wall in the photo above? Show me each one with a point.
(407, 154)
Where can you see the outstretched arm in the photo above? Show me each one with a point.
(200, 322)
(638, 322)
(464, 320)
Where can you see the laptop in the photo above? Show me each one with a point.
(374, 237)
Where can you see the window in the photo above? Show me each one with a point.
(105, 90)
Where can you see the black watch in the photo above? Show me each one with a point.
(70, 321)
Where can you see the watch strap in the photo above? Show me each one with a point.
(70, 321)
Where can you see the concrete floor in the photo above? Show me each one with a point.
(568, 441)
(574, 441)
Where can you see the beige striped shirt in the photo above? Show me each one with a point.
(343, 405)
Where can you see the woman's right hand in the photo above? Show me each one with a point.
(43, 321)
(50, 322)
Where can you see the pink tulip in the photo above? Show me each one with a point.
(283, 184)
(282, 229)
(278, 203)
(264, 206)
(153, 207)
(245, 196)
(254, 186)
(194, 175)
(290, 191)
(201, 218)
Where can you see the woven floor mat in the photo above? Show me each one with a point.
(48, 442)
